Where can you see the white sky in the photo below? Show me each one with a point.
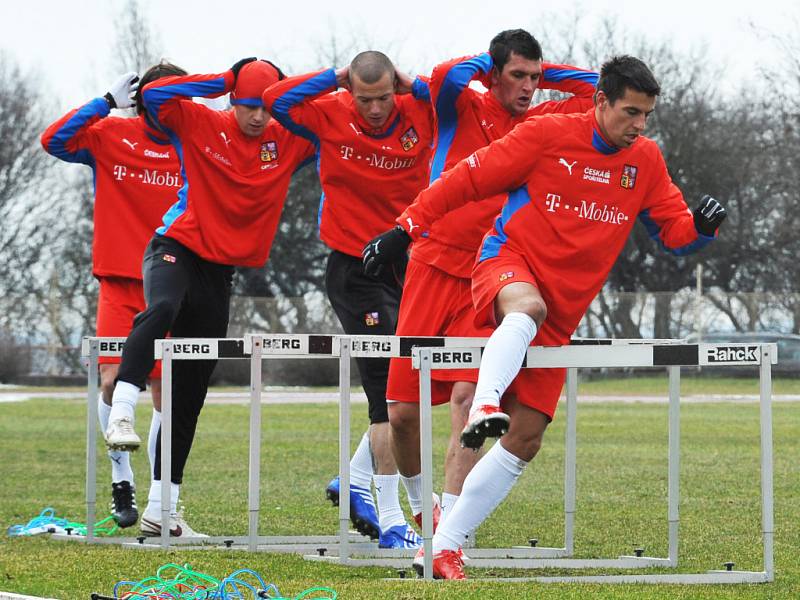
(69, 42)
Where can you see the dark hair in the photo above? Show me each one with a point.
(517, 41)
(162, 69)
(621, 72)
(371, 65)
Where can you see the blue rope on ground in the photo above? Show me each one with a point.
(47, 522)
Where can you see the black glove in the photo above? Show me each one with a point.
(708, 216)
(239, 64)
(281, 74)
(386, 249)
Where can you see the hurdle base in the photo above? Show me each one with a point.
(491, 562)
(331, 541)
(710, 577)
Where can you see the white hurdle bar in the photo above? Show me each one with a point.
(672, 357)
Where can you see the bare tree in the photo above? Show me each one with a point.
(138, 44)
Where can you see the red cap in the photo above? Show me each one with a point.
(253, 79)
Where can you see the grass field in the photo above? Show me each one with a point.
(622, 480)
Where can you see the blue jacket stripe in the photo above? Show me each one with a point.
(653, 230)
(155, 97)
(556, 75)
(308, 89)
(420, 90)
(492, 244)
(177, 209)
(457, 78)
(57, 145)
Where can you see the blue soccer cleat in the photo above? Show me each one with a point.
(363, 513)
(400, 536)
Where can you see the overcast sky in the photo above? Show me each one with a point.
(70, 42)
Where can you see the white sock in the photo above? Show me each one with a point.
(389, 511)
(153, 510)
(361, 464)
(120, 461)
(485, 487)
(502, 358)
(448, 501)
(123, 402)
(413, 487)
(152, 439)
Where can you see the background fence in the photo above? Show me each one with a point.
(714, 315)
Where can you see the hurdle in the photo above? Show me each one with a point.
(584, 355)
(264, 346)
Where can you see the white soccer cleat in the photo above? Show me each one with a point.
(178, 527)
(121, 436)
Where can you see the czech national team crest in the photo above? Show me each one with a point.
(628, 179)
(269, 152)
(371, 319)
(409, 139)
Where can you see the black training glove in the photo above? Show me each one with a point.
(281, 74)
(239, 64)
(708, 216)
(386, 249)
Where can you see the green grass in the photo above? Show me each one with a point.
(622, 478)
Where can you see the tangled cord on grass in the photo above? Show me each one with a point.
(47, 522)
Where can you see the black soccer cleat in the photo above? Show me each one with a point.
(123, 505)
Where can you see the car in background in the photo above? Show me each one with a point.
(788, 347)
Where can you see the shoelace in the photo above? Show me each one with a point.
(122, 500)
(125, 426)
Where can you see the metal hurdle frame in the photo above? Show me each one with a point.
(572, 357)
(265, 346)
(92, 348)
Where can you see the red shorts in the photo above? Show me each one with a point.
(539, 389)
(434, 303)
(120, 300)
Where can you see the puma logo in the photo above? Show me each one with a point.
(224, 138)
(411, 225)
(130, 143)
(569, 166)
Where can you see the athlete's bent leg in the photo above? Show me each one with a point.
(520, 311)
(493, 477)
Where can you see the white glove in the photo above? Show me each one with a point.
(122, 90)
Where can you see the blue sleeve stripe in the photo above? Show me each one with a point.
(177, 209)
(557, 75)
(155, 97)
(57, 145)
(492, 244)
(421, 90)
(294, 96)
(457, 78)
(654, 231)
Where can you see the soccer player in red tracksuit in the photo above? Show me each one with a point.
(235, 170)
(136, 173)
(574, 186)
(374, 144)
(442, 261)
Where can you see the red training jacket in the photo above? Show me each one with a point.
(136, 175)
(467, 120)
(233, 187)
(368, 177)
(570, 202)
